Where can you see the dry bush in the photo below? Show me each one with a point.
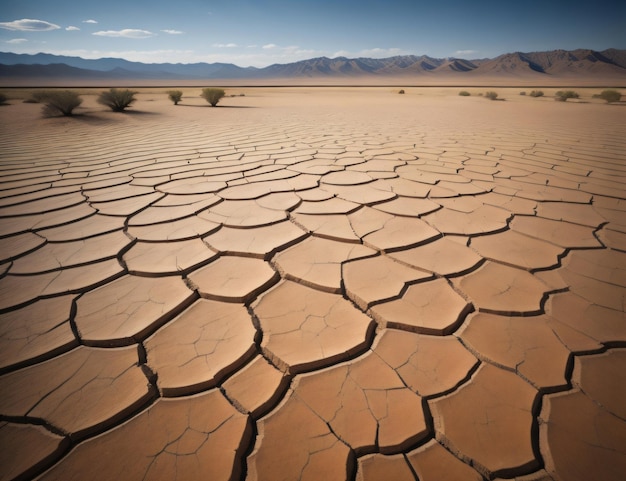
(536, 93)
(117, 100)
(213, 95)
(491, 95)
(464, 93)
(3, 98)
(175, 96)
(611, 96)
(563, 95)
(57, 102)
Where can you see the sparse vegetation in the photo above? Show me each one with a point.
(57, 102)
(116, 99)
(3, 98)
(464, 93)
(563, 95)
(491, 95)
(536, 93)
(522, 93)
(611, 96)
(213, 95)
(175, 96)
(401, 92)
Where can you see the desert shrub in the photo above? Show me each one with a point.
(175, 96)
(464, 93)
(3, 98)
(401, 92)
(213, 95)
(117, 100)
(522, 93)
(491, 95)
(611, 96)
(57, 102)
(536, 93)
(563, 95)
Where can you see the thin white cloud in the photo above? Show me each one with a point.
(16, 41)
(269, 46)
(125, 33)
(225, 45)
(72, 28)
(465, 52)
(90, 21)
(29, 25)
(252, 46)
(172, 32)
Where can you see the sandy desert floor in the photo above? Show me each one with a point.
(309, 284)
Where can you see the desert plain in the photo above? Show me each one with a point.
(332, 283)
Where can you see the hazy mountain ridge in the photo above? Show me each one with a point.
(610, 62)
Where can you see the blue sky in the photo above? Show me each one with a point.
(262, 32)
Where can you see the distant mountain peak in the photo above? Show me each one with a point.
(610, 62)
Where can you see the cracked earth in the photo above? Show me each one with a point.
(334, 284)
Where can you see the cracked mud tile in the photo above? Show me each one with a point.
(428, 365)
(256, 388)
(560, 233)
(316, 262)
(54, 256)
(195, 350)
(199, 437)
(513, 204)
(580, 439)
(335, 227)
(376, 278)
(118, 192)
(27, 449)
(613, 238)
(503, 290)
(81, 392)
(489, 421)
(167, 258)
(42, 206)
(408, 206)
(259, 242)
(442, 256)
(527, 345)
(182, 229)
(482, 220)
(16, 290)
(431, 307)
(282, 453)
(91, 226)
(242, 213)
(159, 214)
(126, 207)
(600, 264)
(129, 308)
(20, 244)
(366, 404)
(361, 194)
(432, 462)
(346, 177)
(583, 214)
(600, 323)
(306, 329)
(327, 207)
(193, 185)
(37, 331)
(513, 248)
(400, 232)
(233, 279)
(378, 467)
(602, 377)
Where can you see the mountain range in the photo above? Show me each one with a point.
(608, 64)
